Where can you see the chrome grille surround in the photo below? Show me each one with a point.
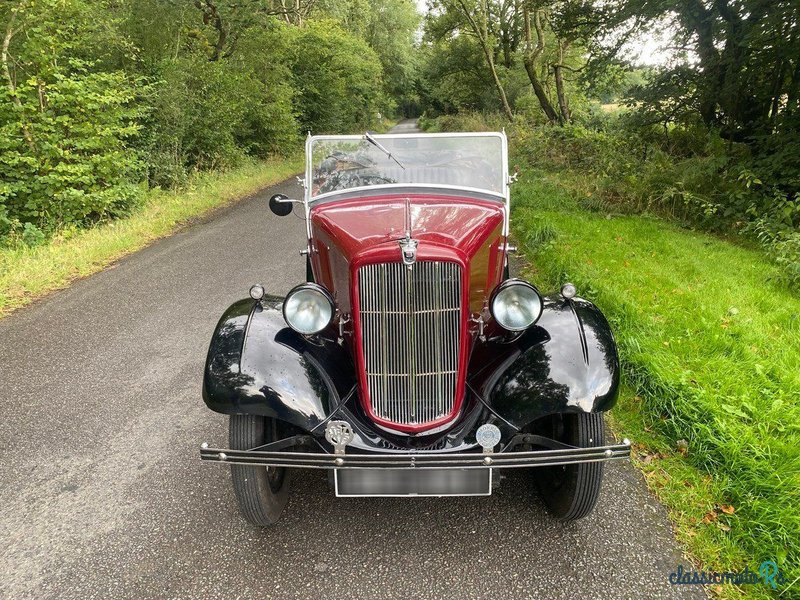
(410, 339)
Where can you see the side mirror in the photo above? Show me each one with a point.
(280, 205)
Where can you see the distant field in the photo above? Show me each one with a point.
(711, 354)
(28, 273)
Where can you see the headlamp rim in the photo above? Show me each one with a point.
(309, 285)
(509, 283)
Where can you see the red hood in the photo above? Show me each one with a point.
(356, 225)
(446, 227)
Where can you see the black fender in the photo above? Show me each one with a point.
(566, 362)
(257, 365)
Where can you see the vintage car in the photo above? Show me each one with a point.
(409, 363)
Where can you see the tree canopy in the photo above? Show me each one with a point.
(101, 99)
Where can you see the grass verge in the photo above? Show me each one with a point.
(28, 273)
(710, 345)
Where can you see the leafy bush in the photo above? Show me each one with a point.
(67, 121)
(65, 150)
(209, 115)
(102, 98)
(337, 77)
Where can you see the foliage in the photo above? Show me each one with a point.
(29, 271)
(711, 138)
(338, 79)
(708, 344)
(210, 114)
(740, 79)
(65, 127)
(101, 99)
(745, 78)
(554, 49)
(389, 27)
(688, 174)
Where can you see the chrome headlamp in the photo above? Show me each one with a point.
(308, 308)
(516, 305)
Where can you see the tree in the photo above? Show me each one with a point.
(474, 17)
(554, 40)
(531, 56)
(746, 75)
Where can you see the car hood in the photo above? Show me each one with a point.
(349, 233)
(357, 225)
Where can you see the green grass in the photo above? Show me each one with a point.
(710, 344)
(28, 273)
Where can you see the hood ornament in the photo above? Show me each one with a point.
(408, 247)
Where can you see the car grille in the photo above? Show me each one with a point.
(410, 338)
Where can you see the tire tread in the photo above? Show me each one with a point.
(258, 504)
(577, 495)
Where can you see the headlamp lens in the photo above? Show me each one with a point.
(516, 305)
(308, 309)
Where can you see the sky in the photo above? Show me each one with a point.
(652, 49)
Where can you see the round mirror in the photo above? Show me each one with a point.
(280, 205)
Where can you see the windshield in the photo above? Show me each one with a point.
(475, 161)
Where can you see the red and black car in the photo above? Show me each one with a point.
(409, 363)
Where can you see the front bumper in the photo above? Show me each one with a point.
(417, 460)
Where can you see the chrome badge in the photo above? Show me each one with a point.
(488, 436)
(338, 434)
(409, 249)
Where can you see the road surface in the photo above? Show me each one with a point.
(104, 496)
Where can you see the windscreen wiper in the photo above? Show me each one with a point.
(377, 144)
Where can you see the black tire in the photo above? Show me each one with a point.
(571, 491)
(261, 492)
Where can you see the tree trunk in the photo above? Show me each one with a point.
(482, 33)
(12, 87)
(529, 60)
(792, 97)
(558, 70)
(777, 85)
(499, 84)
(699, 19)
(562, 98)
(212, 17)
(506, 48)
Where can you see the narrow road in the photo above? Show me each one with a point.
(103, 494)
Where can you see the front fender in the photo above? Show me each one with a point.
(567, 362)
(258, 365)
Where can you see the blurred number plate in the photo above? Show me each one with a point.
(413, 482)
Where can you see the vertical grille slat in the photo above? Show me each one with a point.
(410, 329)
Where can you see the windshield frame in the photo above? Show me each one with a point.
(502, 195)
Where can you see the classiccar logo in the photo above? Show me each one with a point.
(768, 574)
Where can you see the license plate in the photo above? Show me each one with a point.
(413, 482)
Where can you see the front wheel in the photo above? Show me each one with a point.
(571, 491)
(261, 492)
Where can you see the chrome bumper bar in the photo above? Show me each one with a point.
(410, 460)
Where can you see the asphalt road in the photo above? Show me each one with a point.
(104, 496)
